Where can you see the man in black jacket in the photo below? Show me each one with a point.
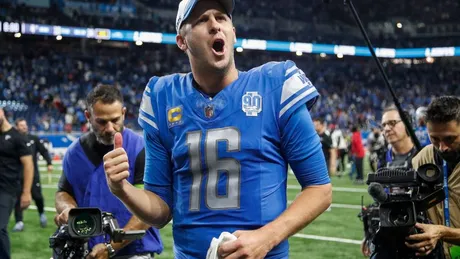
(36, 146)
(15, 160)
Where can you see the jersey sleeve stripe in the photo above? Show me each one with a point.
(146, 105)
(143, 118)
(296, 100)
(293, 85)
(147, 89)
(289, 70)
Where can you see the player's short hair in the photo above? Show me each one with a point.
(443, 110)
(16, 122)
(107, 94)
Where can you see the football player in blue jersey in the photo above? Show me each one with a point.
(218, 145)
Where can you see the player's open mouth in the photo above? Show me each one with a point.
(218, 47)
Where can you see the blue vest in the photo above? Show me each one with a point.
(90, 189)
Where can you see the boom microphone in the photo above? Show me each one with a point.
(377, 192)
(401, 112)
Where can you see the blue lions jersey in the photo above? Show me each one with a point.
(422, 135)
(221, 163)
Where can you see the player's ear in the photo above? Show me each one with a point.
(234, 35)
(123, 112)
(181, 43)
(87, 115)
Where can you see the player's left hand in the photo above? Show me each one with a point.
(99, 252)
(254, 244)
(26, 197)
(425, 242)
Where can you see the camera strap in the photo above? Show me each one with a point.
(446, 192)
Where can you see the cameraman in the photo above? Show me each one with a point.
(443, 123)
(399, 154)
(83, 182)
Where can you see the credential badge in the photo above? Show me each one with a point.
(251, 103)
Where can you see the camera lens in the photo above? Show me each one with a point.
(84, 224)
(400, 216)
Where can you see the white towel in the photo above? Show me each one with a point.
(216, 242)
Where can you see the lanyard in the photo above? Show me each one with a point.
(446, 192)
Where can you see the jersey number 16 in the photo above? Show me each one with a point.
(216, 166)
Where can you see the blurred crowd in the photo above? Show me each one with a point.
(423, 23)
(53, 79)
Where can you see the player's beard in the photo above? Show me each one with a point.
(104, 138)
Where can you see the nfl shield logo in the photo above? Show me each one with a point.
(209, 111)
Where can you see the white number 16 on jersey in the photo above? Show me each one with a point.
(216, 166)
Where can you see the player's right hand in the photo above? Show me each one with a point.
(62, 218)
(116, 166)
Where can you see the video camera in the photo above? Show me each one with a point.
(71, 240)
(402, 196)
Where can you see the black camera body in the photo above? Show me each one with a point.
(410, 192)
(71, 240)
(403, 197)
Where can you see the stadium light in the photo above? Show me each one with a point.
(399, 25)
(239, 49)
(323, 55)
(59, 37)
(298, 53)
(340, 55)
(139, 43)
(17, 35)
(99, 41)
(429, 60)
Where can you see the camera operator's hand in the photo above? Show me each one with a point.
(116, 166)
(99, 252)
(425, 242)
(365, 248)
(62, 218)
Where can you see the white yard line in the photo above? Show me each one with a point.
(304, 236)
(334, 205)
(332, 239)
(290, 187)
(334, 188)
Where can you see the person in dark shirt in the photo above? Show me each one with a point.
(401, 150)
(36, 146)
(330, 153)
(15, 158)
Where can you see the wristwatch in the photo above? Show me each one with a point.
(110, 250)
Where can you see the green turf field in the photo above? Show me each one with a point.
(335, 234)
